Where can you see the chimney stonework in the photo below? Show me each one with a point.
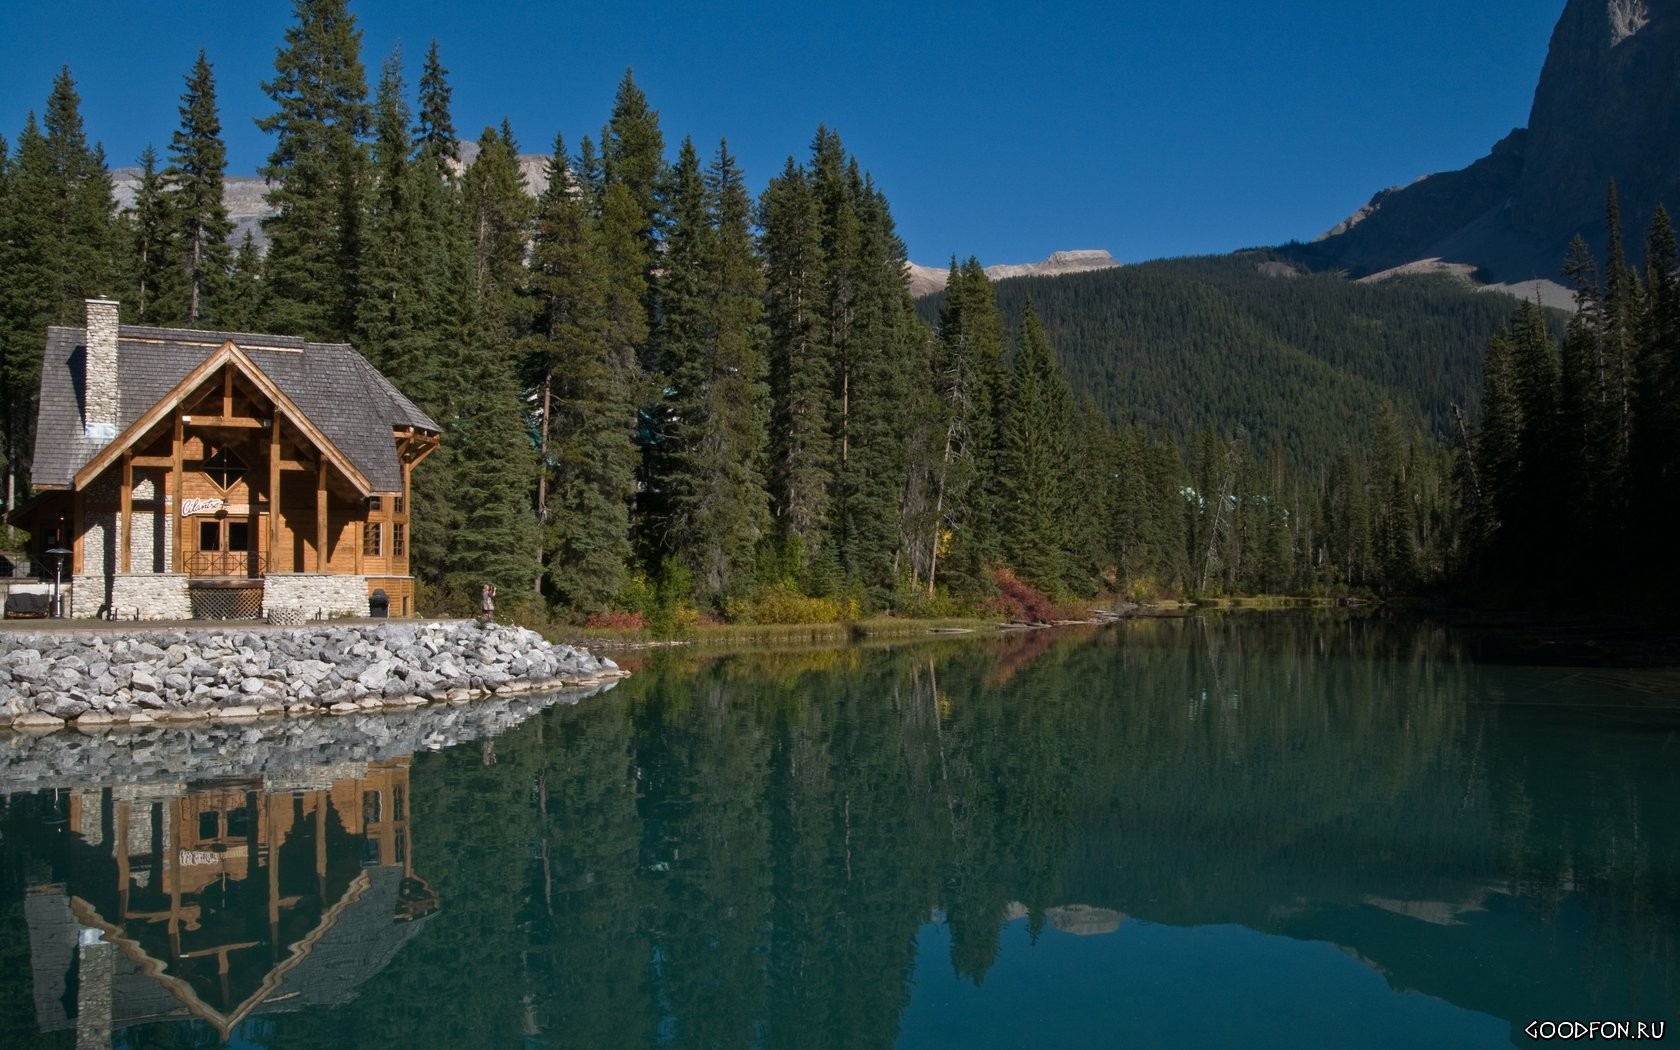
(100, 370)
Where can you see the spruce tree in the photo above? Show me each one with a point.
(435, 132)
(588, 457)
(801, 360)
(317, 171)
(203, 258)
(150, 229)
(966, 377)
(242, 304)
(1654, 468)
(499, 215)
(60, 244)
(1035, 451)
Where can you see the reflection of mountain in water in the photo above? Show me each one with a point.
(224, 900)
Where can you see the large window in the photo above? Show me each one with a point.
(372, 535)
(210, 535)
(399, 540)
(225, 469)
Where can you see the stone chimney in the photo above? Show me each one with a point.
(99, 370)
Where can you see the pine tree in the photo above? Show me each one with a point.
(1033, 460)
(435, 132)
(633, 156)
(1654, 452)
(201, 227)
(150, 229)
(242, 304)
(881, 349)
(734, 510)
(801, 360)
(967, 377)
(494, 534)
(59, 245)
(587, 453)
(499, 215)
(317, 171)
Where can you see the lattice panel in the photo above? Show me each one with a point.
(226, 603)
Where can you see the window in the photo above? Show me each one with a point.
(239, 823)
(372, 533)
(209, 825)
(399, 802)
(370, 807)
(399, 540)
(224, 469)
(210, 535)
(397, 503)
(238, 535)
(376, 504)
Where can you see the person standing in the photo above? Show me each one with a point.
(487, 602)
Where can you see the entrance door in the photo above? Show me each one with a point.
(224, 548)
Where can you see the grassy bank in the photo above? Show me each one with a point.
(731, 635)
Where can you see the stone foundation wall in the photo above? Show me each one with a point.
(87, 596)
(322, 595)
(150, 596)
(130, 596)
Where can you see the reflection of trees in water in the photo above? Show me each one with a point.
(742, 851)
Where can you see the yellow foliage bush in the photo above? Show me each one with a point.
(785, 605)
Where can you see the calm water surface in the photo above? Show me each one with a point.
(1260, 831)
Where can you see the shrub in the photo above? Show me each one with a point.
(617, 620)
(783, 604)
(1019, 600)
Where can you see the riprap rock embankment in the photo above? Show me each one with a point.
(98, 677)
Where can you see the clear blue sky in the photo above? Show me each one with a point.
(1001, 130)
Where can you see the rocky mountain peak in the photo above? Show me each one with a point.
(1606, 108)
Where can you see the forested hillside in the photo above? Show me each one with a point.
(1244, 342)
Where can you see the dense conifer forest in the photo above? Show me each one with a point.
(664, 398)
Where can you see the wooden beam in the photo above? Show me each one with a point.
(321, 517)
(227, 391)
(274, 495)
(228, 422)
(177, 489)
(154, 461)
(125, 514)
(77, 553)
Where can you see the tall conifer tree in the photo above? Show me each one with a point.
(150, 230)
(585, 412)
(317, 172)
(203, 257)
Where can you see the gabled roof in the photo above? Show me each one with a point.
(352, 405)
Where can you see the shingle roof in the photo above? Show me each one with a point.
(343, 395)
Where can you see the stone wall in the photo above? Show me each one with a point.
(319, 595)
(150, 596)
(87, 595)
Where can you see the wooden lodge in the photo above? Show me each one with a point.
(221, 474)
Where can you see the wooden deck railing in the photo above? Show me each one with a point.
(228, 563)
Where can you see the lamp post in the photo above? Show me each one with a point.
(58, 554)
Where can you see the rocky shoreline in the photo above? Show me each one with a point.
(99, 678)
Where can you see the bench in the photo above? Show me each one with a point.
(28, 606)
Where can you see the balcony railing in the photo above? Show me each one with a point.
(228, 563)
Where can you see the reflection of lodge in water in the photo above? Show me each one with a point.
(225, 900)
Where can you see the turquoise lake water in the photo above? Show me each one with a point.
(1254, 830)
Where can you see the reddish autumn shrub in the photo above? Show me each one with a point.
(617, 620)
(1021, 601)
